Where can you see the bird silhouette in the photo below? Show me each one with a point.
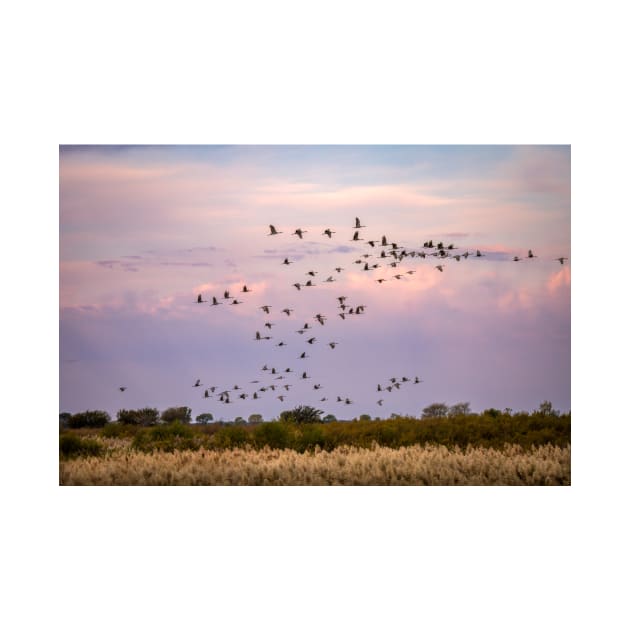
(288, 311)
(561, 259)
(245, 289)
(530, 255)
(328, 232)
(266, 309)
(122, 389)
(286, 261)
(214, 302)
(197, 383)
(273, 231)
(299, 232)
(199, 300)
(356, 237)
(357, 223)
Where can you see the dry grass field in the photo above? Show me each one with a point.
(345, 465)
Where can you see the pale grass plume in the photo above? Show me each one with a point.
(346, 465)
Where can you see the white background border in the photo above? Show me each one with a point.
(296, 72)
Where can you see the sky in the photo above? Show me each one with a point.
(145, 229)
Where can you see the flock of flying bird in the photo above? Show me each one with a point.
(387, 250)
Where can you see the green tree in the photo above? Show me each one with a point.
(255, 418)
(435, 410)
(146, 417)
(301, 415)
(204, 418)
(179, 414)
(239, 420)
(546, 409)
(492, 412)
(89, 418)
(329, 418)
(365, 416)
(459, 409)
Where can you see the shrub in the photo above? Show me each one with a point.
(64, 418)
(302, 414)
(255, 418)
(231, 437)
(176, 414)
(166, 437)
(145, 417)
(310, 436)
(273, 434)
(75, 446)
(117, 430)
(89, 419)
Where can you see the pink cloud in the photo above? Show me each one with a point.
(559, 279)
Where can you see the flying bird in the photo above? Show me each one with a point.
(288, 311)
(561, 259)
(122, 389)
(328, 232)
(273, 231)
(214, 302)
(245, 289)
(266, 309)
(356, 237)
(197, 383)
(332, 344)
(286, 261)
(357, 223)
(299, 232)
(199, 300)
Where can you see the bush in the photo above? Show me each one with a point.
(117, 430)
(74, 446)
(144, 417)
(64, 418)
(273, 434)
(170, 437)
(88, 418)
(176, 414)
(231, 437)
(301, 415)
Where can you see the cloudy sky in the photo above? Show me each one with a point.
(144, 230)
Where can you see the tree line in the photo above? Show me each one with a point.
(302, 414)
